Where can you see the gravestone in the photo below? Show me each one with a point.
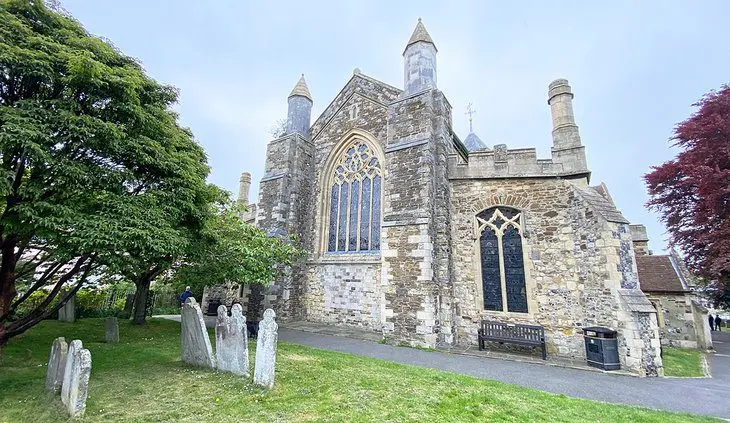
(56, 365)
(111, 330)
(231, 340)
(78, 388)
(67, 313)
(266, 351)
(71, 357)
(196, 349)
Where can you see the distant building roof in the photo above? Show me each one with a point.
(474, 143)
(659, 274)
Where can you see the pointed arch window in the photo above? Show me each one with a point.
(502, 262)
(355, 184)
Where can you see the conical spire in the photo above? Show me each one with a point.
(420, 34)
(301, 89)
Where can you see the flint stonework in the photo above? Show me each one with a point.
(196, 348)
(111, 330)
(266, 351)
(231, 341)
(71, 358)
(79, 383)
(56, 365)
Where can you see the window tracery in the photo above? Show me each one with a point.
(355, 185)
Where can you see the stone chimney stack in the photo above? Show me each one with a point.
(299, 113)
(419, 57)
(640, 240)
(565, 131)
(244, 187)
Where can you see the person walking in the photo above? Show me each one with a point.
(718, 322)
(712, 322)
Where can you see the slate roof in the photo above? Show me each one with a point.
(603, 205)
(659, 274)
(635, 300)
(420, 34)
(301, 89)
(474, 143)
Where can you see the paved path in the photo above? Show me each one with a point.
(707, 396)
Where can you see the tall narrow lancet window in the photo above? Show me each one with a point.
(502, 263)
(354, 219)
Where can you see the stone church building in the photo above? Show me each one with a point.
(417, 235)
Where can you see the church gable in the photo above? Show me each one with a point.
(361, 86)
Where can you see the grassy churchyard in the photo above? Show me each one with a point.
(142, 379)
(682, 362)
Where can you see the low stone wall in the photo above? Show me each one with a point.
(676, 320)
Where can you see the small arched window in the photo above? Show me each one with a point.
(354, 218)
(502, 263)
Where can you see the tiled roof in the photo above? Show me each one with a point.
(658, 274)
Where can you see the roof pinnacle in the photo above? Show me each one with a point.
(301, 89)
(420, 34)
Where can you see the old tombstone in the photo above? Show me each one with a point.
(231, 340)
(266, 351)
(78, 389)
(196, 348)
(74, 347)
(56, 365)
(67, 313)
(111, 330)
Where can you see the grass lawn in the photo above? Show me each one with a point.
(142, 379)
(682, 362)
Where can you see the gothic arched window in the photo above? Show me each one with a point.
(354, 220)
(502, 263)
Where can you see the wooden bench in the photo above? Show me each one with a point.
(512, 333)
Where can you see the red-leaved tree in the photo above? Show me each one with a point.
(692, 192)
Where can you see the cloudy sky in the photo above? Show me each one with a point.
(635, 67)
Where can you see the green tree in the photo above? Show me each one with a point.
(95, 172)
(230, 250)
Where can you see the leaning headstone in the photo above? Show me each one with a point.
(71, 358)
(238, 320)
(78, 388)
(67, 313)
(111, 330)
(266, 351)
(56, 365)
(231, 341)
(196, 349)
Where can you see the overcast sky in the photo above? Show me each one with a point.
(635, 68)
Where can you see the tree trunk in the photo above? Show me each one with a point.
(140, 300)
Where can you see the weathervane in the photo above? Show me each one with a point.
(470, 112)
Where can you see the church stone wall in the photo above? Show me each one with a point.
(566, 245)
(676, 319)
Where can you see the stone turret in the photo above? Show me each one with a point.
(567, 148)
(243, 188)
(560, 99)
(300, 109)
(419, 61)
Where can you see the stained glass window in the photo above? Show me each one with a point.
(503, 266)
(354, 218)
